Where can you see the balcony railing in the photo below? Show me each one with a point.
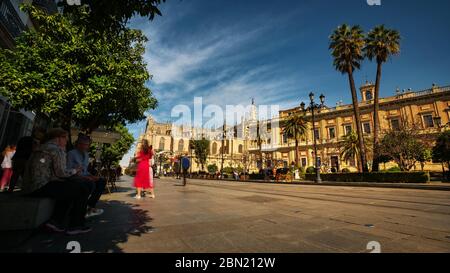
(10, 20)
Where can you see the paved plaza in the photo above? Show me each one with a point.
(213, 216)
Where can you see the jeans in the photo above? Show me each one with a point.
(95, 190)
(71, 201)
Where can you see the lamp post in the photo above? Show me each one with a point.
(313, 107)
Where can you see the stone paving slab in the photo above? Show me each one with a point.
(220, 217)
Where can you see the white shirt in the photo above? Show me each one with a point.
(7, 161)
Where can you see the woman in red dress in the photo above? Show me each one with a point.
(142, 179)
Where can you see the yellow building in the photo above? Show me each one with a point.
(426, 108)
(429, 108)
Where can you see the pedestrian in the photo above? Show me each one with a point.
(185, 164)
(142, 179)
(151, 188)
(177, 168)
(79, 158)
(47, 175)
(25, 147)
(8, 154)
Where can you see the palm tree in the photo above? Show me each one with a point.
(347, 45)
(381, 43)
(296, 127)
(350, 147)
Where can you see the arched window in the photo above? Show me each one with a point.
(162, 144)
(369, 95)
(241, 149)
(214, 148)
(181, 146)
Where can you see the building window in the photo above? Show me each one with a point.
(304, 161)
(369, 95)
(332, 133)
(352, 162)
(395, 124)
(428, 121)
(214, 148)
(181, 146)
(316, 134)
(241, 149)
(366, 128)
(285, 138)
(348, 129)
(162, 144)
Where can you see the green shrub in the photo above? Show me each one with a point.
(310, 170)
(256, 176)
(227, 170)
(395, 169)
(212, 169)
(380, 177)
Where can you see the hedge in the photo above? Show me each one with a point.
(380, 177)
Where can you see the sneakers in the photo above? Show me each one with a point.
(78, 230)
(52, 226)
(94, 212)
(138, 197)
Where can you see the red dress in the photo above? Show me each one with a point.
(142, 179)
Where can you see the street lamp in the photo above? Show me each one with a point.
(313, 107)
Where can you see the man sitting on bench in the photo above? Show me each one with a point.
(46, 176)
(79, 158)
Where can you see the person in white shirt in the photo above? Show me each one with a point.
(7, 166)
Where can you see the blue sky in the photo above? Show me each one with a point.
(229, 51)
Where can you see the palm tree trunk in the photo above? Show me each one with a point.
(296, 153)
(376, 121)
(358, 120)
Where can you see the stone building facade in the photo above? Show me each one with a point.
(429, 109)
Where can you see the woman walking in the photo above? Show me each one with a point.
(142, 179)
(7, 166)
(151, 185)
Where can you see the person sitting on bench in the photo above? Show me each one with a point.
(79, 158)
(46, 176)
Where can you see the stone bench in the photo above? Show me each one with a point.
(23, 213)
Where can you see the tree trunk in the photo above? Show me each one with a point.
(376, 121)
(358, 120)
(296, 154)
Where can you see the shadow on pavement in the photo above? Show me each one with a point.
(120, 221)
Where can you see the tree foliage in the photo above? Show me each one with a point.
(347, 45)
(349, 146)
(212, 169)
(380, 44)
(76, 75)
(113, 153)
(441, 151)
(201, 150)
(403, 146)
(107, 15)
(296, 127)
